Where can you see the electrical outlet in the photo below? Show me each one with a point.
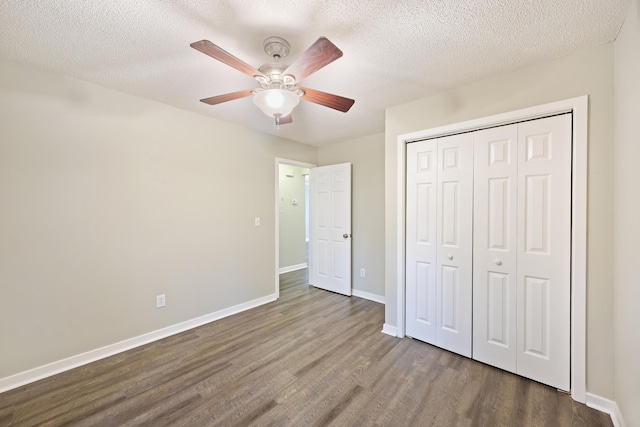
(160, 301)
(362, 272)
(257, 221)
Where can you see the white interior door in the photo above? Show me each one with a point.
(494, 254)
(522, 247)
(455, 243)
(421, 240)
(544, 250)
(439, 242)
(330, 228)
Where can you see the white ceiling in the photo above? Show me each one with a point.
(395, 51)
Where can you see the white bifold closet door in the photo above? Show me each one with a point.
(439, 242)
(522, 248)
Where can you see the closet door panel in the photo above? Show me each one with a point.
(454, 243)
(421, 241)
(494, 256)
(544, 248)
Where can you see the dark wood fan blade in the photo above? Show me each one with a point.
(284, 120)
(321, 53)
(336, 102)
(227, 97)
(216, 52)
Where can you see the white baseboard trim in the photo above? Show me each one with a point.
(607, 406)
(291, 268)
(367, 295)
(63, 365)
(389, 330)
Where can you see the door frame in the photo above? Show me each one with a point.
(281, 161)
(579, 106)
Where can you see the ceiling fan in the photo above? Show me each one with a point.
(278, 93)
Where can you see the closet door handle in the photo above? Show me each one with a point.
(450, 256)
(498, 262)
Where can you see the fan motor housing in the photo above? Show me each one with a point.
(276, 77)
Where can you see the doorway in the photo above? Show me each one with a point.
(291, 217)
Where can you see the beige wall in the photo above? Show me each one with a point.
(367, 157)
(108, 200)
(627, 216)
(292, 230)
(589, 72)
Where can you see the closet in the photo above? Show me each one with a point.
(488, 244)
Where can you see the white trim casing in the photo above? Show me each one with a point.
(389, 330)
(607, 406)
(291, 268)
(26, 377)
(368, 295)
(282, 161)
(579, 249)
(579, 107)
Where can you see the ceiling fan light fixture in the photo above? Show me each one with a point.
(278, 94)
(276, 102)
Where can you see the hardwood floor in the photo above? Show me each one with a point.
(311, 358)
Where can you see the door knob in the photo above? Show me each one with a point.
(345, 236)
(450, 256)
(498, 262)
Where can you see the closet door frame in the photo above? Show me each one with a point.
(579, 108)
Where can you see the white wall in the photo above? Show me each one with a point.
(292, 217)
(589, 72)
(627, 216)
(108, 200)
(367, 158)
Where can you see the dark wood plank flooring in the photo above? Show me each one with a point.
(313, 358)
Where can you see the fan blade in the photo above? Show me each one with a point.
(227, 97)
(336, 102)
(321, 53)
(284, 120)
(216, 52)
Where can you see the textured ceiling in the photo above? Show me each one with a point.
(395, 51)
